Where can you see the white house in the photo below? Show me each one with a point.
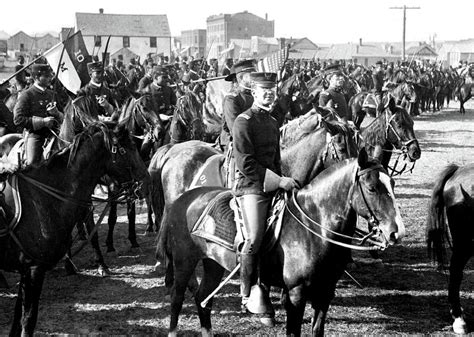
(141, 34)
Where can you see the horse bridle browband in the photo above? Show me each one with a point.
(365, 237)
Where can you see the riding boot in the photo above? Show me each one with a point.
(248, 276)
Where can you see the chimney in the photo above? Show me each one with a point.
(360, 42)
(101, 10)
(266, 16)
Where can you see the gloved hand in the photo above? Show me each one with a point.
(52, 110)
(106, 105)
(49, 122)
(7, 167)
(287, 183)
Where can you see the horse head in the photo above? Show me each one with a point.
(373, 198)
(294, 94)
(119, 156)
(399, 130)
(187, 123)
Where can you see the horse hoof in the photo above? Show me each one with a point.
(460, 326)
(104, 271)
(268, 321)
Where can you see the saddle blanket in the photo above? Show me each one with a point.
(211, 173)
(221, 222)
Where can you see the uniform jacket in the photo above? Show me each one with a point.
(336, 100)
(233, 105)
(32, 102)
(378, 79)
(256, 148)
(95, 91)
(163, 98)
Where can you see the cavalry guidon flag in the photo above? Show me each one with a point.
(274, 62)
(73, 72)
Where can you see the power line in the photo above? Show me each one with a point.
(404, 26)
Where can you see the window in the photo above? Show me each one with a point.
(195, 39)
(126, 41)
(97, 41)
(22, 46)
(153, 42)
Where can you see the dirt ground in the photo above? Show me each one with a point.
(403, 294)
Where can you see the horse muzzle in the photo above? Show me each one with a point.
(413, 151)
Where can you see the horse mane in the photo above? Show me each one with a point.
(299, 128)
(190, 99)
(375, 132)
(88, 133)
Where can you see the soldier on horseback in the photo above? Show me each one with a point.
(239, 100)
(378, 77)
(258, 172)
(162, 96)
(37, 113)
(97, 88)
(332, 97)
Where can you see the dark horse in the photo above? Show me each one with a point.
(54, 197)
(391, 132)
(187, 122)
(308, 145)
(141, 123)
(307, 260)
(453, 198)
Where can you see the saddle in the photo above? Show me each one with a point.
(222, 223)
(10, 206)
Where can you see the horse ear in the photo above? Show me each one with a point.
(362, 158)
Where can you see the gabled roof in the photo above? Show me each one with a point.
(21, 33)
(303, 43)
(246, 15)
(422, 50)
(123, 25)
(349, 50)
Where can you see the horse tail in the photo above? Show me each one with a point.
(162, 247)
(157, 194)
(436, 227)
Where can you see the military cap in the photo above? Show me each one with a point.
(95, 66)
(244, 66)
(159, 71)
(39, 69)
(263, 79)
(379, 62)
(333, 68)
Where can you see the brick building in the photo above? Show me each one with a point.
(223, 28)
(193, 43)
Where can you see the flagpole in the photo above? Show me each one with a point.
(38, 58)
(56, 74)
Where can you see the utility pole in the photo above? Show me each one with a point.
(404, 25)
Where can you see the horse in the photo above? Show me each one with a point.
(391, 132)
(463, 92)
(187, 122)
(80, 113)
(308, 145)
(293, 94)
(311, 252)
(402, 93)
(452, 199)
(55, 196)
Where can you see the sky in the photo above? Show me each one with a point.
(323, 22)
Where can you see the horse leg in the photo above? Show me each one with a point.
(184, 269)
(26, 308)
(99, 258)
(132, 235)
(458, 262)
(212, 275)
(149, 223)
(112, 221)
(295, 303)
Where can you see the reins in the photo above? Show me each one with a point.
(365, 237)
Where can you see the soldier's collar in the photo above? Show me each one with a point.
(261, 107)
(39, 87)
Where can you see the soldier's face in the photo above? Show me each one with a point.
(263, 95)
(337, 81)
(97, 76)
(44, 80)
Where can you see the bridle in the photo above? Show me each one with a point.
(189, 127)
(364, 237)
